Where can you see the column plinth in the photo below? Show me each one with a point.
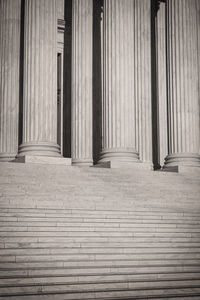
(183, 95)
(10, 14)
(82, 14)
(119, 106)
(40, 79)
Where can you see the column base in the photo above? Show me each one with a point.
(5, 157)
(82, 162)
(137, 165)
(182, 162)
(182, 159)
(119, 155)
(39, 149)
(122, 158)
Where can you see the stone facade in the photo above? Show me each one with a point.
(101, 82)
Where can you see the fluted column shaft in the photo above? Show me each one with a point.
(40, 79)
(82, 14)
(10, 13)
(119, 105)
(162, 82)
(142, 82)
(183, 95)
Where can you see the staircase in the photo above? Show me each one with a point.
(76, 233)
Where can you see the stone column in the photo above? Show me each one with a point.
(183, 95)
(119, 105)
(40, 79)
(82, 13)
(142, 82)
(127, 131)
(162, 82)
(10, 12)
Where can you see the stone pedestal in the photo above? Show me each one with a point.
(10, 12)
(183, 95)
(40, 79)
(119, 105)
(82, 12)
(42, 159)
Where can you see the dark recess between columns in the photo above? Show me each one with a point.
(154, 86)
(67, 80)
(21, 75)
(97, 82)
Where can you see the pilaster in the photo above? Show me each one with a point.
(82, 14)
(10, 14)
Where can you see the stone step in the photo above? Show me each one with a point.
(96, 257)
(139, 216)
(90, 251)
(100, 244)
(113, 294)
(102, 225)
(94, 213)
(21, 183)
(74, 219)
(95, 234)
(104, 240)
(70, 288)
(136, 277)
(90, 186)
(100, 263)
(17, 195)
(135, 225)
(140, 197)
(91, 271)
(97, 203)
(99, 230)
(41, 184)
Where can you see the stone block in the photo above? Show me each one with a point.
(34, 159)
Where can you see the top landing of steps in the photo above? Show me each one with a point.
(60, 186)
